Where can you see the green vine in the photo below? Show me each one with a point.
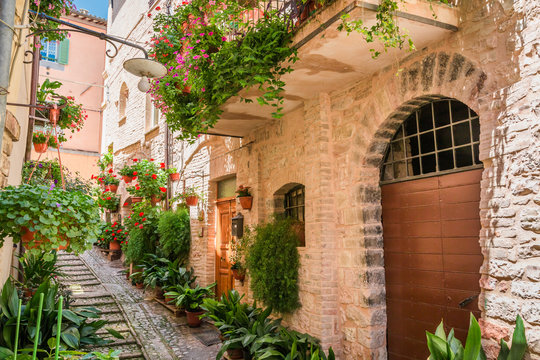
(273, 262)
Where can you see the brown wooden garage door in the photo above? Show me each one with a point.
(432, 258)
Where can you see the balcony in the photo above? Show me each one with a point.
(330, 59)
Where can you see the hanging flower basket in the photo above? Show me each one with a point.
(192, 200)
(155, 200)
(174, 176)
(238, 274)
(113, 188)
(246, 202)
(127, 179)
(41, 148)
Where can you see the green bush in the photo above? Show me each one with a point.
(273, 262)
(141, 242)
(175, 234)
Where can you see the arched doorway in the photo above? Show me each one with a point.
(430, 183)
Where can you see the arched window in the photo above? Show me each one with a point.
(122, 102)
(294, 203)
(440, 137)
(289, 201)
(152, 114)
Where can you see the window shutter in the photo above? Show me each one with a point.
(63, 52)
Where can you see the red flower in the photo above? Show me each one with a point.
(106, 230)
(140, 227)
(119, 231)
(144, 219)
(162, 165)
(163, 189)
(102, 239)
(93, 177)
(154, 176)
(135, 160)
(151, 159)
(136, 223)
(108, 198)
(149, 15)
(134, 178)
(135, 173)
(126, 204)
(158, 8)
(115, 238)
(137, 188)
(141, 214)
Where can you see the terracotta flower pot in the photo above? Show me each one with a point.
(246, 202)
(136, 199)
(127, 179)
(235, 353)
(174, 177)
(27, 236)
(186, 90)
(239, 275)
(168, 299)
(158, 292)
(191, 200)
(114, 245)
(113, 188)
(139, 285)
(193, 318)
(54, 113)
(155, 200)
(41, 148)
(28, 293)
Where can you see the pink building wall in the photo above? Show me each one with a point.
(81, 78)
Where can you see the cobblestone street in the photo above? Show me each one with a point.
(151, 332)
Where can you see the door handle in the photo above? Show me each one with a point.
(467, 301)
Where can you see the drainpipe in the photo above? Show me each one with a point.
(7, 15)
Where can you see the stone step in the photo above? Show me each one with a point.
(128, 348)
(70, 263)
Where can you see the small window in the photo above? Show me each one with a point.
(294, 203)
(227, 188)
(122, 103)
(49, 51)
(442, 136)
(155, 114)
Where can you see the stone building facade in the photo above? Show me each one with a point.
(335, 143)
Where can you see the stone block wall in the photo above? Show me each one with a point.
(11, 134)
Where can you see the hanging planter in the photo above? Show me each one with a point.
(244, 196)
(41, 148)
(239, 274)
(113, 188)
(174, 176)
(246, 202)
(127, 179)
(192, 200)
(155, 200)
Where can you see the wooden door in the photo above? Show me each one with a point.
(432, 258)
(226, 211)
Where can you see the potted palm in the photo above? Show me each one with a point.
(244, 196)
(45, 218)
(191, 300)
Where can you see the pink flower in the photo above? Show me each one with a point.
(224, 38)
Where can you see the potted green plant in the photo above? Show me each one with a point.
(35, 269)
(108, 200)
(111, 182)
(39, 139)
(174, 175)
(244, 196)
(47, 218)
(191, 300)
(190, 196)
(152, 181)
(127, 173)
(113, 235)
